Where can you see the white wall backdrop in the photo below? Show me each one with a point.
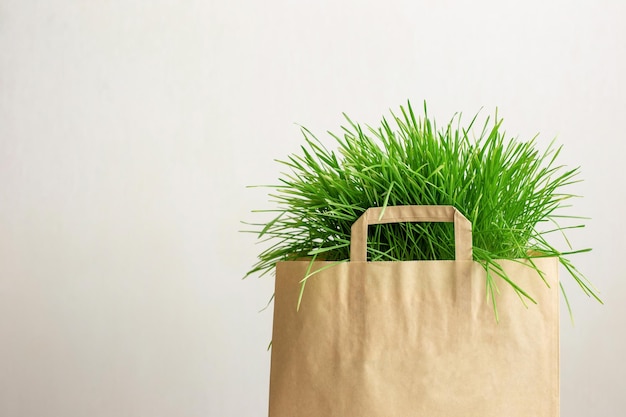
(129, 130)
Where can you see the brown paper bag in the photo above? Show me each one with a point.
(416, 338)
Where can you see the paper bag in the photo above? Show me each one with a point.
(415, 338)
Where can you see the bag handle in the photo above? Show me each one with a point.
(413, 214)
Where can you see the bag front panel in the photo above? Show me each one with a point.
(413, 339)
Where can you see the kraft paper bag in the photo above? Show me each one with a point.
(415, 338)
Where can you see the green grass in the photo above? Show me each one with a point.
(507, 188)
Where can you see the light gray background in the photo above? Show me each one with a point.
(129, 130)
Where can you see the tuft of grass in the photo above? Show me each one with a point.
(508, 189)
